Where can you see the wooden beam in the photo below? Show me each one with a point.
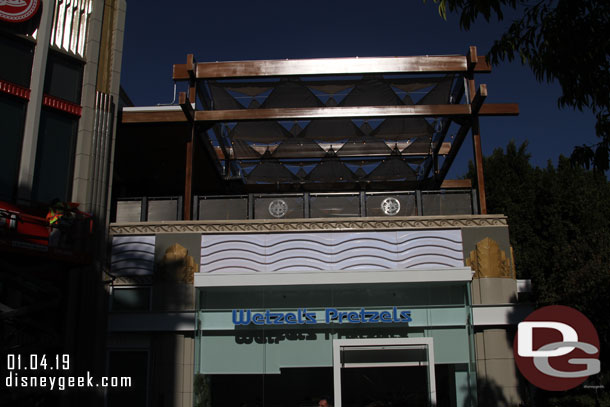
(456, 111)
(156, 116)
(193, 91)
(456, 183)
(153, 117)
(186, 106)
(313, 81)
(479, 98)
(499, 109)
(471, 58)
(191, 66)
(306, 113)
(476, 104)
(331, 112)
(330, 66)
(478, 161)
(483, 66)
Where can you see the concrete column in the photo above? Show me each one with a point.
(94, 148)
(32, 115)
(487, 251)
(115, 84)
(83, 162)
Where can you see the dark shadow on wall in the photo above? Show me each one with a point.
(527, 392)
(506, 386)
(490, 394)
(49, 309)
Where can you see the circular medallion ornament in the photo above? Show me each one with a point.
(18, 11)
(278, 208)
(390, 206)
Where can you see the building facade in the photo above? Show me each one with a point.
(59, 99)
(285, 233)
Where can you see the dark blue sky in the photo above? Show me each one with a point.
(159, 34)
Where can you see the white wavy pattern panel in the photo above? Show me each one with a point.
(331, 251)
(133, 255)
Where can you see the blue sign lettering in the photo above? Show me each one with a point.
(331, 316)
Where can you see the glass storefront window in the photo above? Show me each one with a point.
(17, 57)
(130, 299)
(63, 78)
(12, 117)
(381, 372)
(289, 360)
(54, 156)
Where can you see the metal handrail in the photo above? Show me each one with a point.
(307, 203)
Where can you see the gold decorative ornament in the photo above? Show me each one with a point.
(489, 261)
(177, 266)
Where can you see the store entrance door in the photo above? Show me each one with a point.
(384, 372)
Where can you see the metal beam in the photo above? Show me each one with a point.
(188, 174)
(307, 113)
(331, 66)
(154, 116)
(455, 147)
(456, 96)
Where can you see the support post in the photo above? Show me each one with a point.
(475, 204)
(195, 207)
(476, 100)
(188, 177)
(362, 204)
(191, 67)
(185, 104)
(478, 160)
(188, 110)
(144, 209)
(180, 207)
(306, 207)
(250, 206)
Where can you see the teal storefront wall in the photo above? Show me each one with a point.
(438, 310)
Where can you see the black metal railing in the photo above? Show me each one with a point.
(300, 205)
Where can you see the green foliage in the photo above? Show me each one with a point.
(563, 40)
(579, 400)
(559, 221)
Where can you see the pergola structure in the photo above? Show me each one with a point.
(331, 124)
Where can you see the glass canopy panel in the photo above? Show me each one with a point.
(326, 144)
